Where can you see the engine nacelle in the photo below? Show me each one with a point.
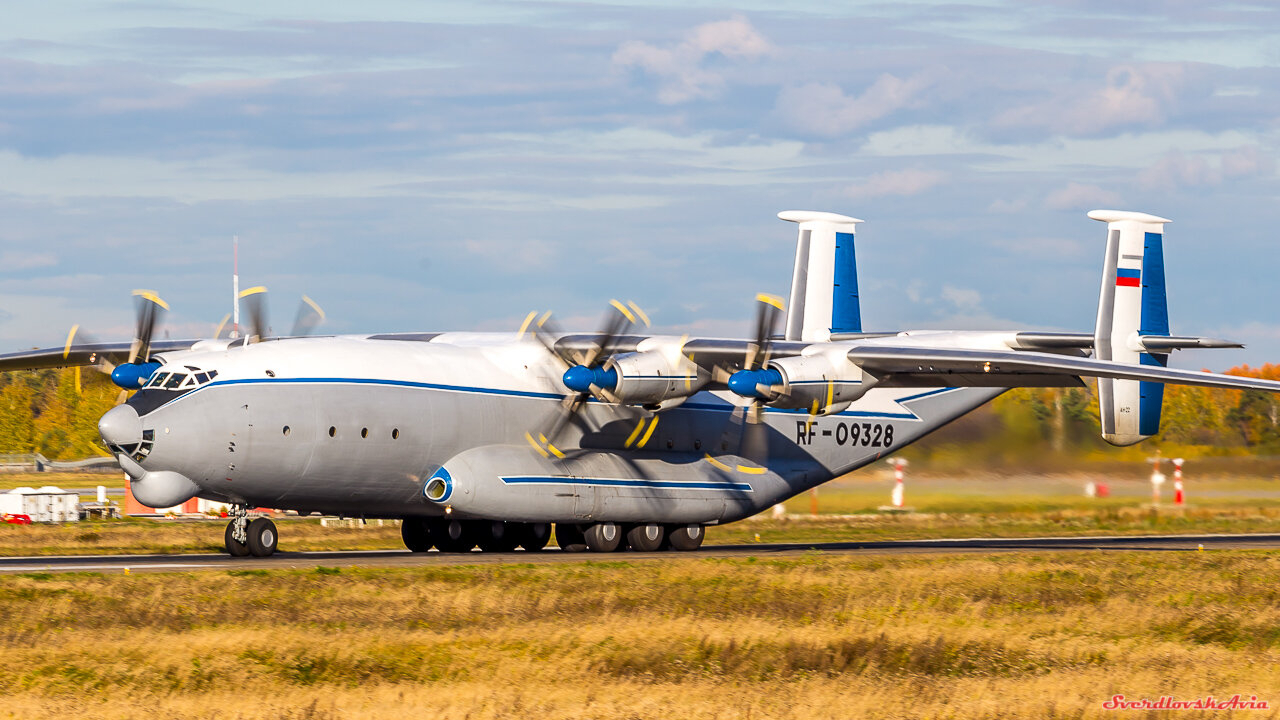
(819, 383)
(658, 375)
(650, 378)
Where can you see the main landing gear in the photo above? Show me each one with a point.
(642, 537)
(458, 536)
(243, 538)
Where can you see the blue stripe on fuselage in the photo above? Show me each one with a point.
(620, 482)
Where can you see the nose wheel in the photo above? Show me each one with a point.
(243, 538)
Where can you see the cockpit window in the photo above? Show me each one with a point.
(180, 380)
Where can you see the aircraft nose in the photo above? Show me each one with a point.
(120, 426)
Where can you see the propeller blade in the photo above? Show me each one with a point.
(77, 338)
(543, 328)
(617, 320)
(149, 310)
(768, 310)
(255, 300)
(755, 433)
(308, 318)
(544, 441)
(223, 329)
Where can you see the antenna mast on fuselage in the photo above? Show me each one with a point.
(235, 286)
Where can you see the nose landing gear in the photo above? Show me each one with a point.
(243, 538)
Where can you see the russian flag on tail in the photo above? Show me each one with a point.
(1126, 277)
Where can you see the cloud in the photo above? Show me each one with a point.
(1248, 160)
(11, 260)
(823, 108)
(1131, 96)
(1177, 169)
(1007, 206)
(965, 301)
(680, 68)
(1078, 196)
(896, 182)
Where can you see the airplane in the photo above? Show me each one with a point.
(617, 438)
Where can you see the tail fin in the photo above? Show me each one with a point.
(824, 286)
(1132, 305)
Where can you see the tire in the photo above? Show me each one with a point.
(569, 538)
(416, 534)
(534, 536)
(685, 537)
(645, 538)
(603, 537)
(453, 536)
(263, 537)
(498, 536)
(234, 549)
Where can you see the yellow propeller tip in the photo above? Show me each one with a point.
(623, 309)
(773, 300)
(152, 296)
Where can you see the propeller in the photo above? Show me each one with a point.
(97, 362)
(584, 374)
(223, 329)
(149, 310)
(756, 380)
(255, 303)
(254, 300)
(309, 317)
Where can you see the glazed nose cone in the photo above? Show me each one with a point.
(120, 426)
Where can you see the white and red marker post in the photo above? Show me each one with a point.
(898, 465)
(1157, 479)
(1178, 498)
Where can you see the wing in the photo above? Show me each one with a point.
(112, 353)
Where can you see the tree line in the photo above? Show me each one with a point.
(55, 413)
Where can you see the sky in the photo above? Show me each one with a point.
(454, 165)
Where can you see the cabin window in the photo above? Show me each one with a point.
(286, 431)
(364, 432)
(333, 431)
(395, 433)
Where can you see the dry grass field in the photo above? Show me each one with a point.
(1044, 635)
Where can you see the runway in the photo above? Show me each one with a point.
(404, 558)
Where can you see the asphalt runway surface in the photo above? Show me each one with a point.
(404, 558)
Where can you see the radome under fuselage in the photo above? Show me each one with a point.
(354, 425)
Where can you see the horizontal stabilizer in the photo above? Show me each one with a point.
(944, 362)
(1159, 343)
(1150, 343)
